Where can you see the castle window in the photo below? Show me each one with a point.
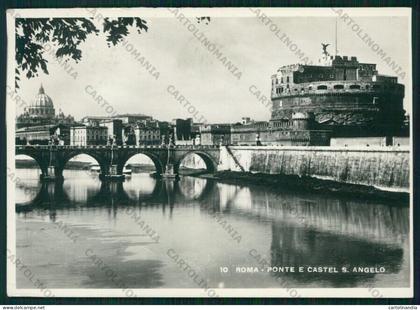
(339, 86)
(281, 80)
(287, 79)
(322, 87)
(354, 86)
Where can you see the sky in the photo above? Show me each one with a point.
(182, 61)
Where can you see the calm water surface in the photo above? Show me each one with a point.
(141, 228)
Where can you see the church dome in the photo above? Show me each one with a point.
(42, 100)
(42, 106)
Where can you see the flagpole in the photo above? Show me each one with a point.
(336, 37)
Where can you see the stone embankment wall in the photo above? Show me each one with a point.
(387, 168)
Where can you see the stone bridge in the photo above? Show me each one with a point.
(52, 159)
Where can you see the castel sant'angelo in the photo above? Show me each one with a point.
(341, 94)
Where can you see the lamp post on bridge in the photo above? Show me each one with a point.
(169, 172)
(112, 174)
(51, 174)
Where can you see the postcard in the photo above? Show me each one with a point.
(209, 152)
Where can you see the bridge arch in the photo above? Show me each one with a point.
(210, 162)
(42, 163)
(61, 162)
(154, 157)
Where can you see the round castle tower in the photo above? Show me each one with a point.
(347, 97)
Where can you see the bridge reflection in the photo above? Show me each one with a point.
(307, 230)
(56, 195)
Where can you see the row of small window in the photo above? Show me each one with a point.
(237, 137)
(282, 124)
(279, 90)
(307, 76)
(83, 131)
(83, 138)
(149, 136)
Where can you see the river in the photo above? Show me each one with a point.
(72, 234)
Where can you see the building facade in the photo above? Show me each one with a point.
(183, 129)
(132, 118)
(114, 129)
(43, 135)
(84, 135)
(94, 120)
(147, 132)
(215, 134)
(300, 130)
(166, 131)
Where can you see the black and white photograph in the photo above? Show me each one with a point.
(209, 152)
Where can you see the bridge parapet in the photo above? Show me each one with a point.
(108, 147)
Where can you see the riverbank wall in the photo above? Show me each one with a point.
(386, 168)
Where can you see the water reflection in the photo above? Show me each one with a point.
(90, 192)
(285, 228)
(294, 246)
(356, 218)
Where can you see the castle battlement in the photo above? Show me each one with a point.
(338, 87)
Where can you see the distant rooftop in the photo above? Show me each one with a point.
(131, 114)
(96, 117)
(40, 127)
